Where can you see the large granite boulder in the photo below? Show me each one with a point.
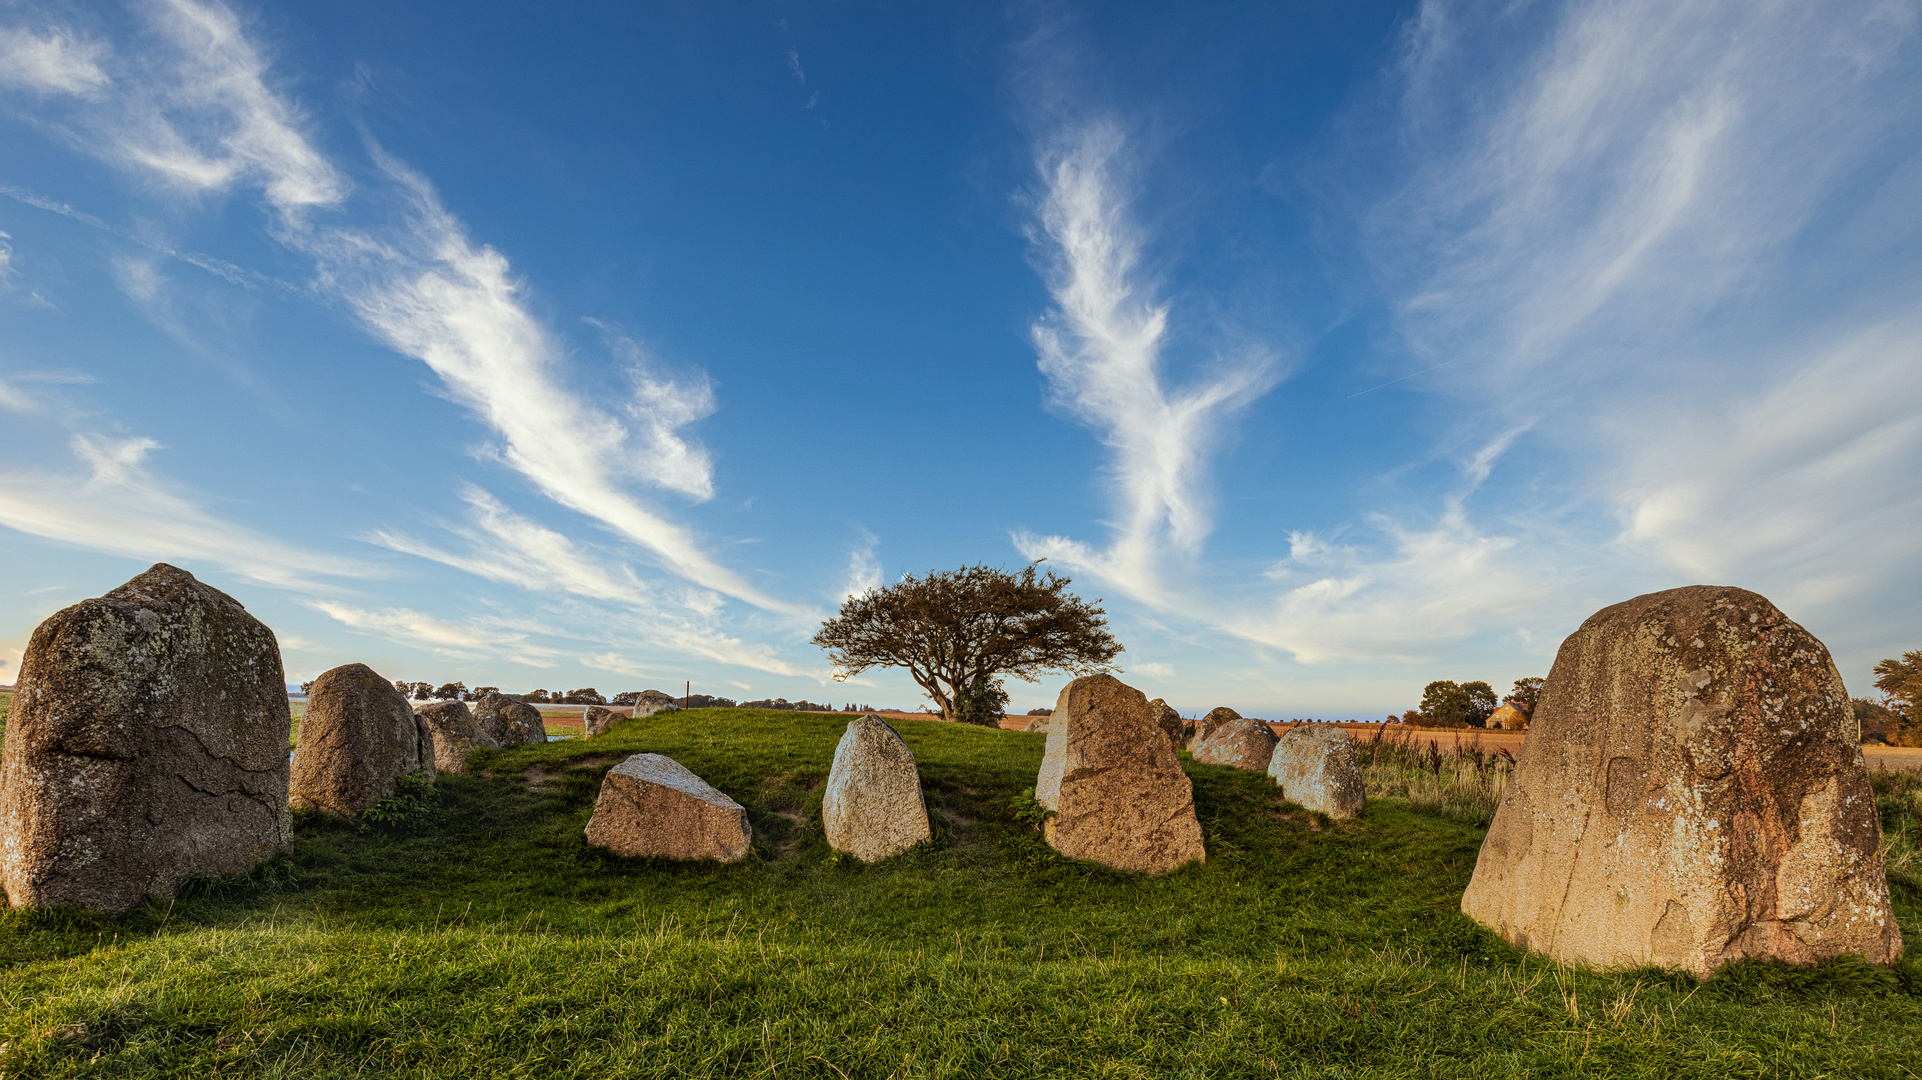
(1691, 792)
(1175, 726)
(651, 805)
(1314, 765)
(654, 708)
(456, 734)
(147, 744)
(599, 720)
(1115, 785)
(509, 721)
(1240, 742)
(1199, 731)
(358, 736)
(872, 807)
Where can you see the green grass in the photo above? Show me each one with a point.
(490, 940)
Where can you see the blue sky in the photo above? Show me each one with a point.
(1337, 347)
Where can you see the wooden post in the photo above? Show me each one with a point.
(687, 693)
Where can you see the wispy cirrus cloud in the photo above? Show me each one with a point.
(53, 61)
(472, 639)
(202, 115)
(1101, 348)
(118, 505)
(1640, 233)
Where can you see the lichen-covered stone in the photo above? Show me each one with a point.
(655, 708)
(872, 806)
(508, 721)
(1239, 742)
(1691, 792)
(147, 744)
(1199, 731)
(653, 806)
(456, 734)
(598, 720)
(1115, 785)
(1315, 767)
(1175, 726)
(357, 738)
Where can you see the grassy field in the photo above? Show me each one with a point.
(485, 938)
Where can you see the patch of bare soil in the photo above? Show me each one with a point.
(542, 778)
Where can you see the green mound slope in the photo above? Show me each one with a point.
(475, 934)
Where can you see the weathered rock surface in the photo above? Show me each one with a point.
(655, 708)
(357, 737)
(1314, 765)
(651, 805)
(509, 722)
(456, 734)
(1037, 723)
(872, 806)
(1691, 792)
(1199, 731)
(1175, 726)
(1115, 785)
(597, 720)
(1240, 742)
(147, 744)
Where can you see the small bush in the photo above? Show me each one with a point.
(414, 805)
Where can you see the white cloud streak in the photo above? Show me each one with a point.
(1101, 349)
(121, 507)
(469, 640)
(56, 62)
(1653, 238)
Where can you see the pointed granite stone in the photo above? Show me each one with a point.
(1115, 785)
(872, 807)
(358, 737)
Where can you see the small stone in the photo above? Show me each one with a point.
(1691, 792)
(872, 806)
(1206, 726)
(456, 734)
(1314, 765)
(1240, 742)
(1038, 723)
(147, 744)
(652, 806)
(357, 738)
(599, 720)
(1175, 726)
(1115, 785)
(508, 721)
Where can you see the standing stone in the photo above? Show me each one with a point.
(651, 805)
(1240, 742)
(1172, 724)
(456, 734)
(1201, 729)
(357, 738)
(509, 722)
(1115, 785)
(872, 807)
(655, 708)
(599, 720)
(147, 744)
(1691, 792)
(1314, 765)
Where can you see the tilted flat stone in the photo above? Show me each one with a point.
(1240, 742)
(1175, 726)
(1691, 792)
(872, 806)
(456, 734)
(358, 736)
(1314, 765)
(598, 720)
(147, 744)
(651, 805)
(1115, 785)
(509, 722)
(1206, 726)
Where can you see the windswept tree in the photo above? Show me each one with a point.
(959, 632)
(1901, 684)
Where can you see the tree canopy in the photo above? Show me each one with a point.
(1458, 703)
(958, 632)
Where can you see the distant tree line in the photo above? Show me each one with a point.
(1468, 704)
